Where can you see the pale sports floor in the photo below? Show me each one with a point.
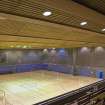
(32, 87)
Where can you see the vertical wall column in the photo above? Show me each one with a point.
(74, 60)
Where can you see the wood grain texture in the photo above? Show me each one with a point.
(67, 12)
(33, 87)
(16, 30)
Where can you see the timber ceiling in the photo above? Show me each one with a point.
(22, 23)
(98, 5)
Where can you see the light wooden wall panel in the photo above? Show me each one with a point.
(20, 29)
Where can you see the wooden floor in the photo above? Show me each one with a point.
(33, 87)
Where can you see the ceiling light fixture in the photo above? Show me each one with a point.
(45, 50)
(53, 48)
(11, 46)
(83, 23)
(24, 46)
(47, 13)
(103, 29)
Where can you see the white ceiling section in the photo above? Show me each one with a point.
(61, 29)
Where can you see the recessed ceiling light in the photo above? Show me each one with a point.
(24, 46)
(84, 49)
(44, 50)
(53, 48)
(47, 13)
(11, 46)
(99, 48)
(103, 29)
(83, 23)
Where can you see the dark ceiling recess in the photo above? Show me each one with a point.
(97, 5)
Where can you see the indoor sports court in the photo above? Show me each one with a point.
(52, 52)
(32, 87)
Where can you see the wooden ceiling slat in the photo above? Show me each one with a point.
(35, 45)
(71, 14)
(15, 30)
(35, 31)
(9, 38)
